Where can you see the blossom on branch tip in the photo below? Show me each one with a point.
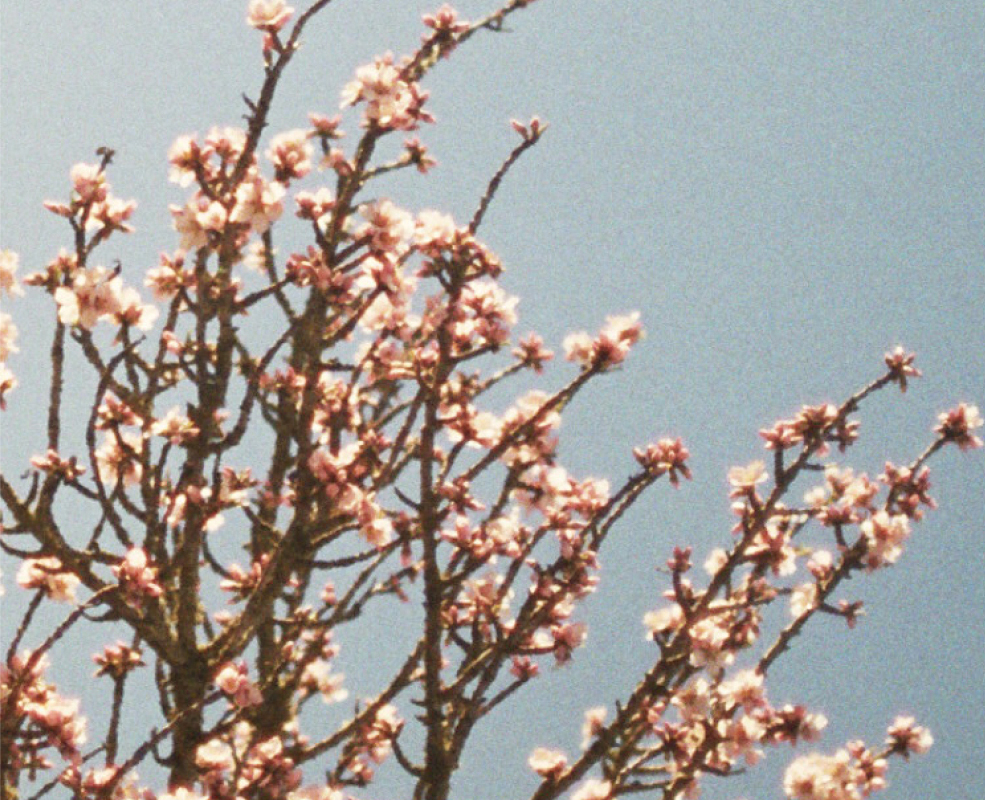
(744, 480)
(901, 367)
(445, 20)
(668, 456)
(904, 736)
(268, 15)
(89, 183)
(531, 131)
(957, 425)
(548, 763)
(610, 347)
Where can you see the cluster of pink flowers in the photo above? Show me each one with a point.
(392, 102)
(853, 772)
(49, 575)
(8, 331)
(92, 205)
(137, 577)
(219, 212)
(391, 472)
(610, 348)
(45, 720)
(94, 294)
(235, 683)
(240, 763)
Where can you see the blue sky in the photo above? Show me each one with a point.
(784, 191)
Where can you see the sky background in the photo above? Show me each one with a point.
(784, 191)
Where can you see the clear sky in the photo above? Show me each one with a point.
(784, 191)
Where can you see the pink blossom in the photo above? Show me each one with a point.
(957, 425)
(530, 131)
(233, 681)
(709, 644)
(417, 154)
(531, 352)
(268, 15)
(8, 337)
(117, 659)
(717, 559)
(175, 427)
(186, 156)
(821, 565)
(89, 183)
(290, 153)
(884, 536)
(111, 215)
(744, 480)
(905, 736)
(791, 723)
(740, 737)
(434, 232)
(744, 689)
(387, 228)
(820, 777)
(258, 203)
(130, 310)
(227, 143)
(568, 637)
(91, 296)
(52, 463)
(241, 583)
(138, 579)
(48, 574)
(316, 206)
(901, 367)
(318, 677)
(214, 755)
(118, 459)
(547, 763)
(593, 725)
(8, 274)
(668, 456)
(170, 278)
(391, 102)
(803, 598)
(663, 621)
(445, 20)
(325, 127)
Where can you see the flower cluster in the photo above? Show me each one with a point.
(49, 575)
(399, 447)
(137, 578)
(392, 102)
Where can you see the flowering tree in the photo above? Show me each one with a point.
(330, 412)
